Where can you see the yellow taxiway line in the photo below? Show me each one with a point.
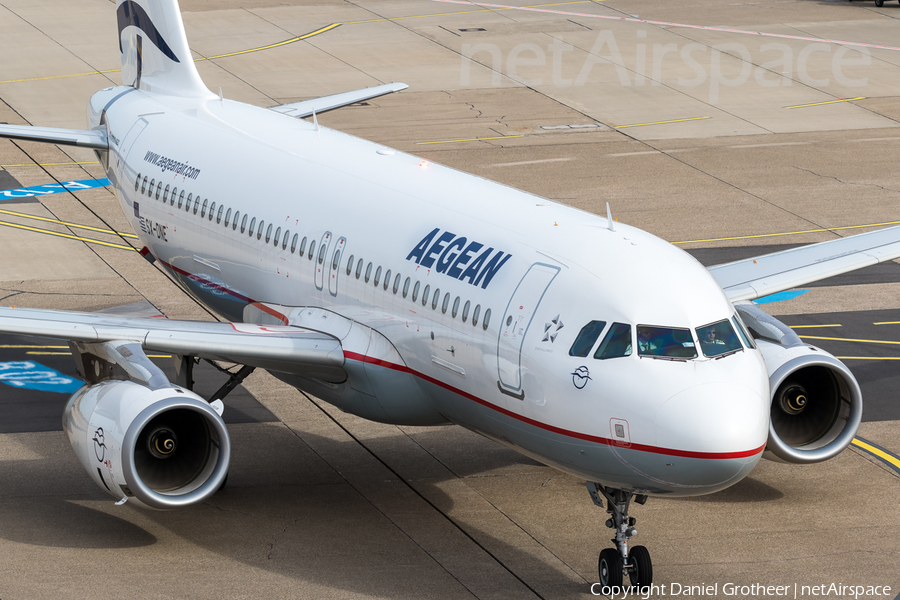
(67, 224)
(62, 164)
(765, 235)
(67, 236)
(828, 102)
(811, 326)
(834, 339)
(500, 137)
(877, 451)
(663, 122)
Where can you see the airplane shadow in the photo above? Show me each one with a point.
(285, 511)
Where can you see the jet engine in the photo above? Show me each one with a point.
(164, 448)
(816, 400)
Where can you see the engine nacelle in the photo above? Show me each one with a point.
(165, 448)
(816, 403)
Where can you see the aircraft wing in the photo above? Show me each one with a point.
(326, 103)
(278, 347)
(67, 137)
(756, 277)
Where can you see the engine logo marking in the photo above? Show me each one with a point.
(99, 445)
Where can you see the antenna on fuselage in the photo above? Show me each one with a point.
(315, 121)
(609, 219)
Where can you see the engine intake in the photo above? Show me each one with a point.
(816, 404)
(165, 448)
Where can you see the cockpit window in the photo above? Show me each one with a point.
(665, 342)
(742, 332)
(616, 343)
(586, 338)
(718, 339)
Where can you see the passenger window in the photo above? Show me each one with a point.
(302, 246)
(150, 189)
(166, 195)
(377, 276)
(312, 249)
(387, 279)
(586, 338)
(196, 203)
(718, 339)
(137, 182)
(277, 236)
(244, 224)
(294, 243)
(446, 303)
(158, 189)
(350, 265)
(335, 260)
(252, 227)
(144, 184)
(227, 217)
(203, 208)
(284, 241)
(616, 343)
(487, 319)
(665, 342)
(259, 231)
(436, 299)
(455, 307)
(237, 215)
(219, 214)
(359, 268)
(368, 273)
(415, 291)
(212, 211)
(322, 249)
(425, 295)
(268, 232)
(181, 201)
(397, 283)
(476, 314)
(465, 314)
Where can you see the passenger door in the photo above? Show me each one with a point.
(516, 321)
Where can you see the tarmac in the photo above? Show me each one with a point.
(729, 129)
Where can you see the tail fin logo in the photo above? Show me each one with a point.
(131, 13)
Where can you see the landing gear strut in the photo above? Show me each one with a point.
(617, 562)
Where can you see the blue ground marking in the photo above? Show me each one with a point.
(53, 188)
(780, 296)
(35, 376)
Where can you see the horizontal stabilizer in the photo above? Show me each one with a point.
(95, 139)
(756, 277)
(326, 103)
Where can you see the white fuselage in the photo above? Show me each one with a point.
(534, 271)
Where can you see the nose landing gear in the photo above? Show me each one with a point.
(617, 562)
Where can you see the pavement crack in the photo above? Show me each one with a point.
(839, 180)
(270, 547)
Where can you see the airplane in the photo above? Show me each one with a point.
(410, 293)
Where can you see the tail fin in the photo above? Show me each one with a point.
(154, 49)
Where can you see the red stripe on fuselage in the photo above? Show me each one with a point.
(552, 428)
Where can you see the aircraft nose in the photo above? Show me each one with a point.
(715, 433)
(714, 418)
